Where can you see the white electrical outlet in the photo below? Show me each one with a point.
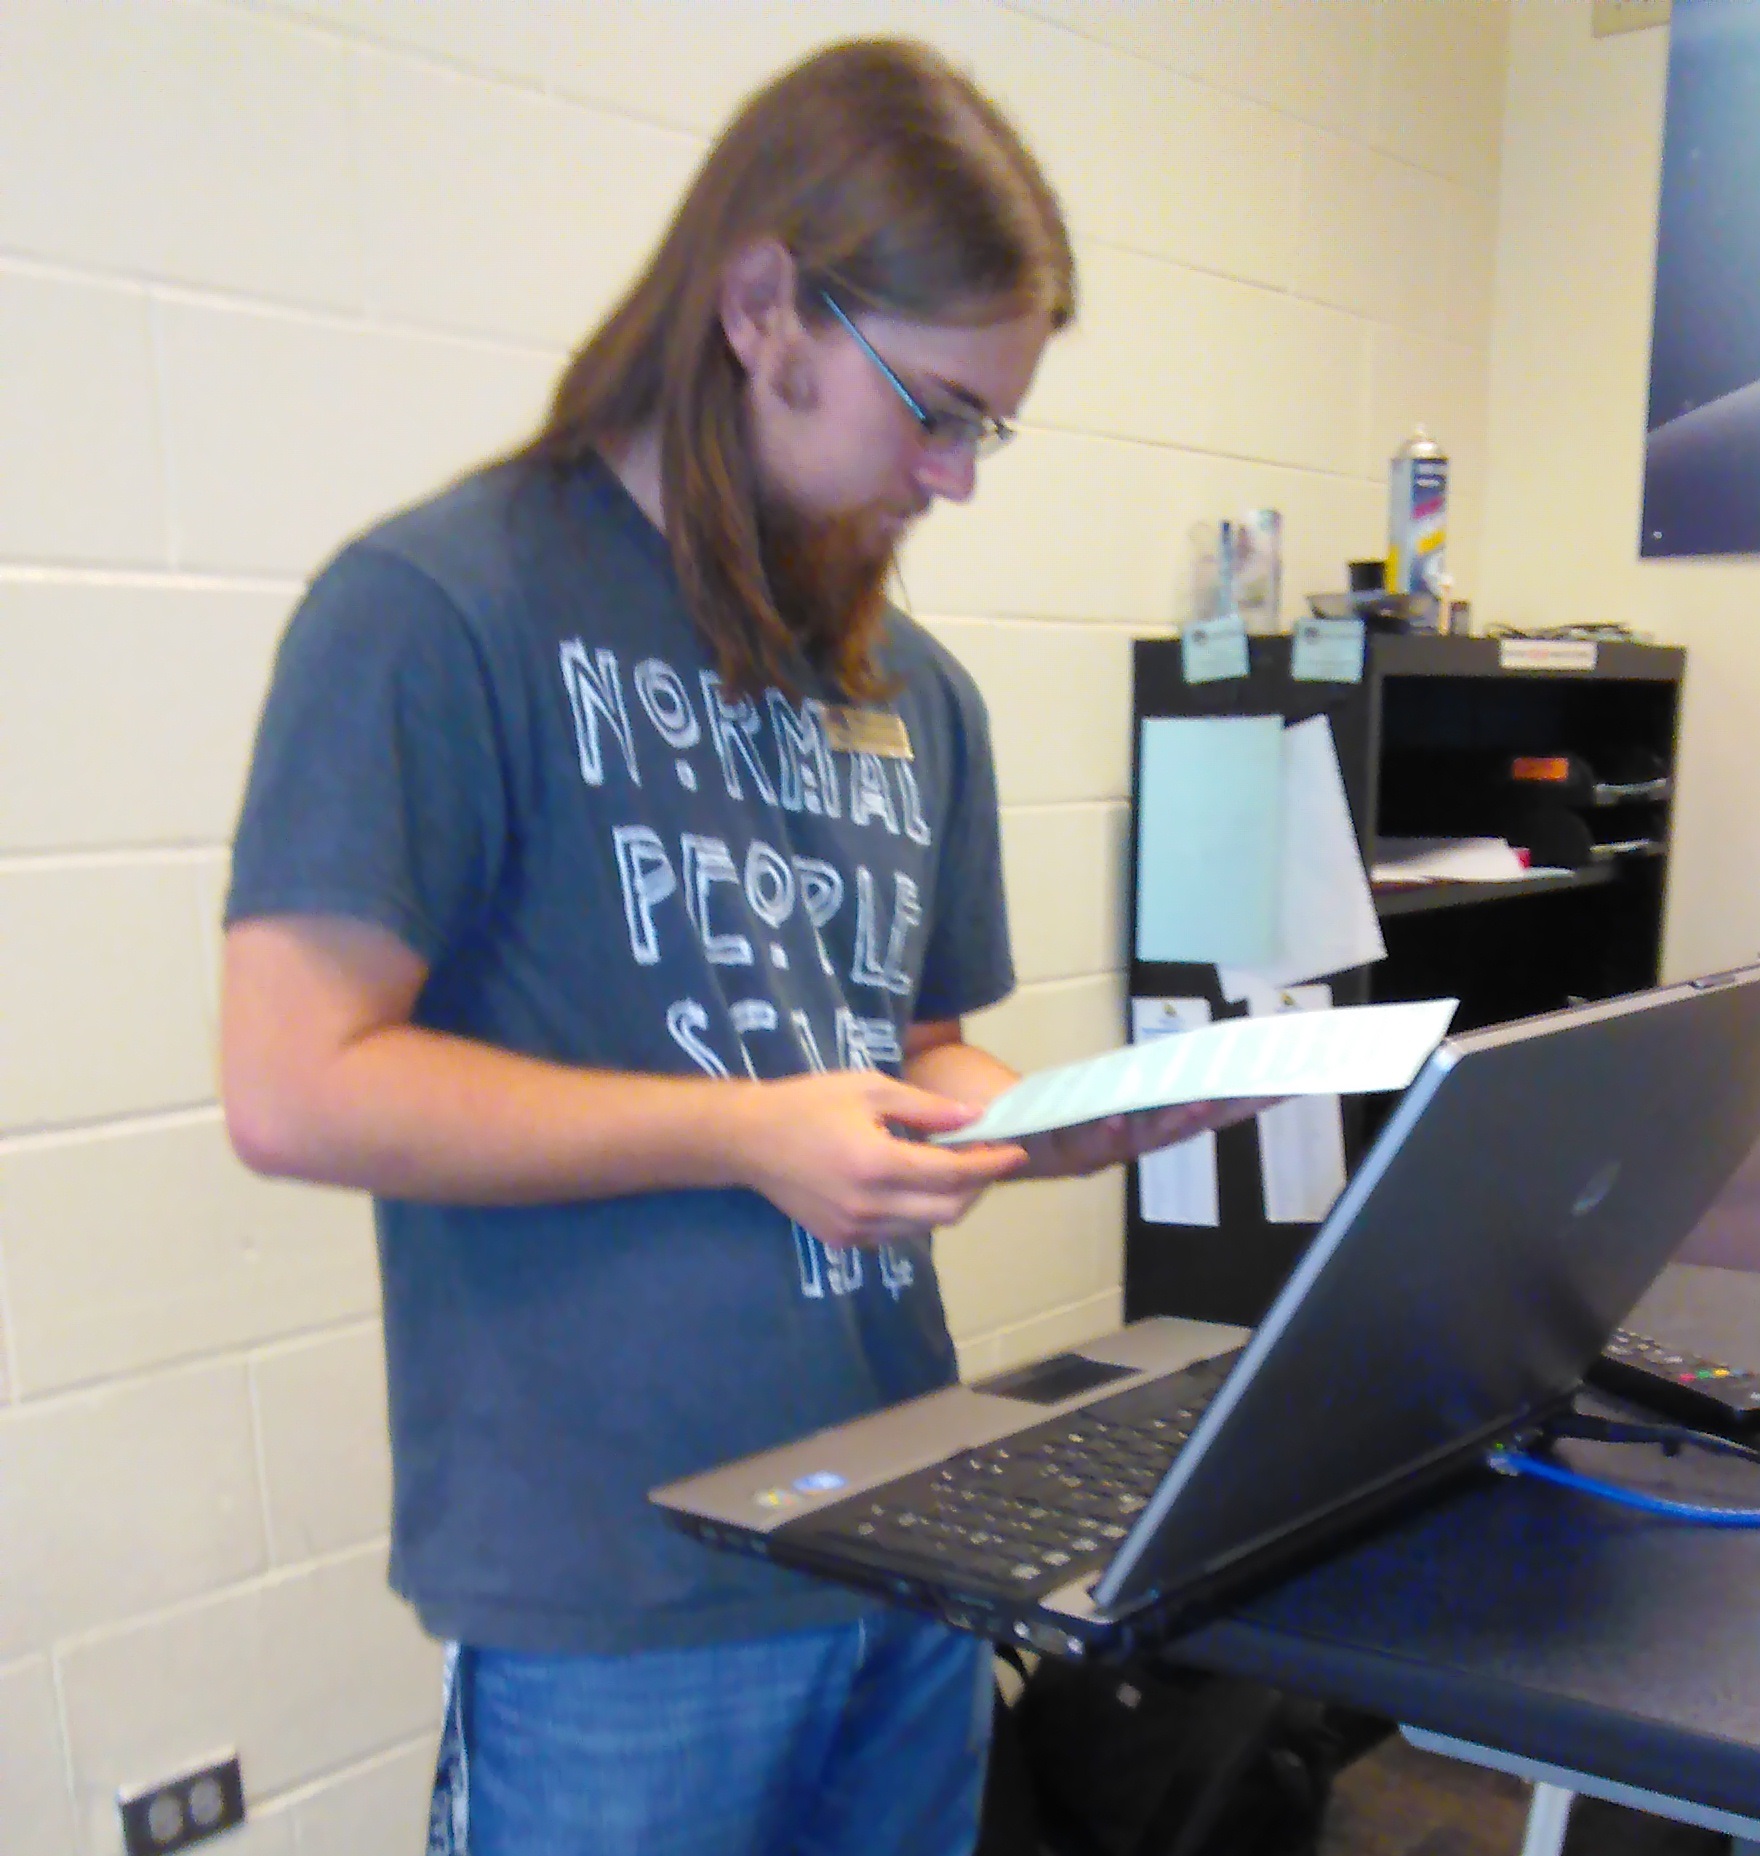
(160, 1819)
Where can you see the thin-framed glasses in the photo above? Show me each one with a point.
(946, 428)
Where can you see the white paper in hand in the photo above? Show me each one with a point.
(1350, 1051)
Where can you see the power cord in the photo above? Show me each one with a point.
(1671, 1439)
(1510, 1460)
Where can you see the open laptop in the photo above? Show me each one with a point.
(1527, 1188)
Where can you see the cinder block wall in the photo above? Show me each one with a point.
(267, 271)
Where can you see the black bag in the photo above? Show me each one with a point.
(1009, 1822)
(1152, 1759)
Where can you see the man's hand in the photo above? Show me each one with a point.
(1087, 1148)
(824, 1150)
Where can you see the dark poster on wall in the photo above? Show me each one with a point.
(1702, 453)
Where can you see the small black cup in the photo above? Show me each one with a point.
(1368, 576)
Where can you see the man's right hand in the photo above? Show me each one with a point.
(823, 1148)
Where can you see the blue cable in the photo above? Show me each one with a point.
(1518, 1463)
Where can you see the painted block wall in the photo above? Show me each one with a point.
(269, 270)
(1570, 385)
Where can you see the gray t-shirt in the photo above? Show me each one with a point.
(494, 731)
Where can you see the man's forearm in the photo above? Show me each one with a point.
(325, 1078)
(964, 1072)
(408, 1113)
(411, 1113)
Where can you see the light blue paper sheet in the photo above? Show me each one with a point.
(1209, 838)
(1327, 651)
(1214, 650)
(1325, 911)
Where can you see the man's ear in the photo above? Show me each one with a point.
(757, 303)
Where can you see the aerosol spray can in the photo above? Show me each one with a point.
(1417, 516)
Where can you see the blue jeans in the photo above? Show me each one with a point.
(865, 1740)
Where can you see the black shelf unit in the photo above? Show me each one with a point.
(1423, 898)
(1414, 738)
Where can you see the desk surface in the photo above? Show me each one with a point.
(1540, 1621)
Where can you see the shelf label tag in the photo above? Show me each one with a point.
(1546, 654)
(1327, 651)
(1214, 649)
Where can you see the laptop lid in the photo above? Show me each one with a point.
(1728, 1236)
(1532, 1182)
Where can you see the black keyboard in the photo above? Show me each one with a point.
(1036, 1508)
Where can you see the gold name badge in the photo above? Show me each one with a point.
(868, 731)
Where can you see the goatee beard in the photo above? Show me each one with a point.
(827, 575)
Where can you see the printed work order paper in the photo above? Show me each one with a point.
(1301, 1141)
(1176, 1185)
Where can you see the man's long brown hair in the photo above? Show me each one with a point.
(896, 185)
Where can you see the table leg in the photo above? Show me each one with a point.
(1555, 1787)
(1548, 1815)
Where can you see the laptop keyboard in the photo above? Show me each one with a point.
(1026, 1511)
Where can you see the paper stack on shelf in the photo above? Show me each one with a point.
(1450, 860)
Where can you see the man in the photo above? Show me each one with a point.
(615, 871)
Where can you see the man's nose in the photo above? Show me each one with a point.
(950, 474)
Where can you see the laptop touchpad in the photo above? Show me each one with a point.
(1062, 1376)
